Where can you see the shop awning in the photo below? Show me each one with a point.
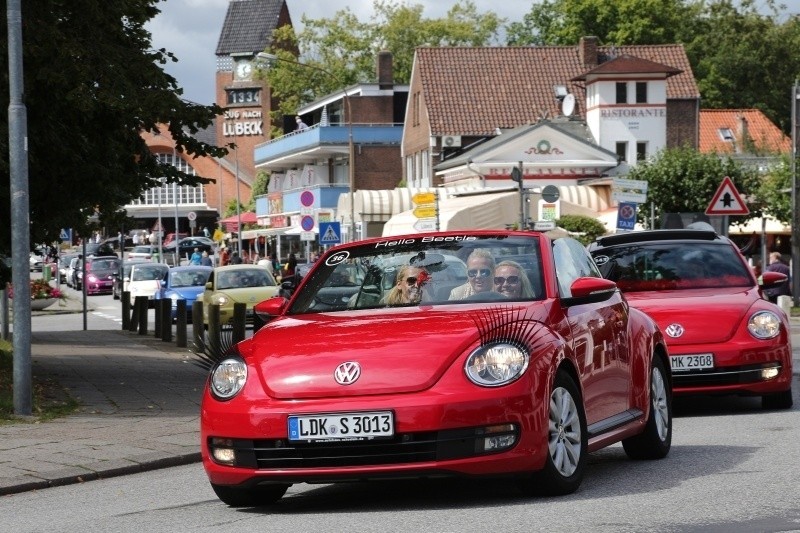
(266, 232)
(376, 205)
(484, 211)
(755, 225)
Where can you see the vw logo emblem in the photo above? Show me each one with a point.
(674, 330)
(347, 373)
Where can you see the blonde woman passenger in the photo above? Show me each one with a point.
(408, 286)
(511, 281)
(480, 270)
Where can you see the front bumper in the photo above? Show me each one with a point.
(747, 366)
(435, 434)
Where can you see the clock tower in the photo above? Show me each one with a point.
(247, 30)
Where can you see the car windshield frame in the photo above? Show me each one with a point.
(673, 265)
(371, 271)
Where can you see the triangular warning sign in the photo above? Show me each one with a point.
(727, 200)
(329, 236)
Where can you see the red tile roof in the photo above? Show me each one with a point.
(474, 90)
(765, 135)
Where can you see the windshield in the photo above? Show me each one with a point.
(149, 272)
(188, 278)
(241, 278)
(424, 271)
(673, 266)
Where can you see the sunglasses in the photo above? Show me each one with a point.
(479, 272)
(411, 280)
(511, 280)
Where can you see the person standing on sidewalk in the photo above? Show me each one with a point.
(776, 264)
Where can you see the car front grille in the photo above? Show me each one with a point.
(405, 448)
(733, 375)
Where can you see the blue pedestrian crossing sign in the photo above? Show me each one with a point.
(330, 233)
(66, 235)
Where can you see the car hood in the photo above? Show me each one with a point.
(398, 351)
(250, 295)
(705, 315)
(186, 293)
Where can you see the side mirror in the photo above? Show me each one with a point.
(770, 280)
(210, 285)
(590, 290)
(269, 309)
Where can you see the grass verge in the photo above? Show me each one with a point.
(50, 400)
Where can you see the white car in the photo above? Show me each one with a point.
(147, 279)
(142, 251)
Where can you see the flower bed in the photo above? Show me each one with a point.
(41, 290)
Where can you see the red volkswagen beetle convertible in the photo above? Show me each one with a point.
(447, 354)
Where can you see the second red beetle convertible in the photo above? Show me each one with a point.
(449, 354)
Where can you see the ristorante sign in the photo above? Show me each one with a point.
(633, 112)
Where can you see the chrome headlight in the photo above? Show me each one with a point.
(219, 299)
(764, 325)
(228, 378)
(496, 364)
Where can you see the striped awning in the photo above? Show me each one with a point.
(376, 205)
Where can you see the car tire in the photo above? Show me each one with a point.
(249, 497)
(780, 400)
(567, 443)
(656, 439)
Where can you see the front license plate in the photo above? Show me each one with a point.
(341, 426)
(687, 363)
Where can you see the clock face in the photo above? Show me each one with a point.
(243, 70)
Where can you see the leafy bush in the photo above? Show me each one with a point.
(585, 229)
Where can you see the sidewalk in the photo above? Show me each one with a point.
(140, 401)
(140, 408)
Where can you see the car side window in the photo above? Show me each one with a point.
(572, 262)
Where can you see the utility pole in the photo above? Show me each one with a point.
(517, 174)
(795, 195)
(20, 214)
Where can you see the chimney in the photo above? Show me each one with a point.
(385, 74)
(744, 133)
(588, 51)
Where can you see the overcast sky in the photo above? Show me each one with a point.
(190, 29)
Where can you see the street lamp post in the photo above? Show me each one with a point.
(266, 58)
(795, 272)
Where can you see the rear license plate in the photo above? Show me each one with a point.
(341, 426)
(688, 363)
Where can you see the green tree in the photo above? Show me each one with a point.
(564, 22)
(684, 181)
(93, 83)
(745, 59)
(341, 51)
(775, 192)
(259, 188)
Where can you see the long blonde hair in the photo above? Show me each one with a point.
(395, 295)
(526, 290)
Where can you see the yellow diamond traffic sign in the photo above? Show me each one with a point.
(424, 198)
(425, 211)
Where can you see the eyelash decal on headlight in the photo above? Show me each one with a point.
(499, 324)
